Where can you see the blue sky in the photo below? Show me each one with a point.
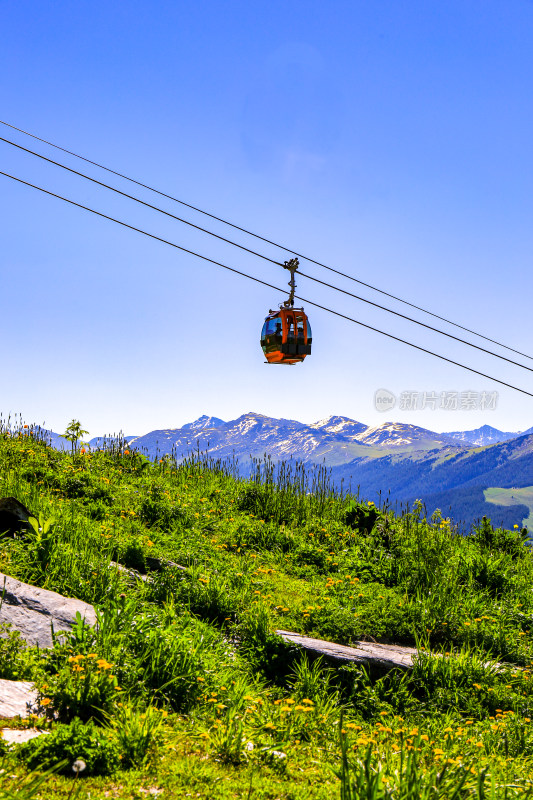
(391, 140)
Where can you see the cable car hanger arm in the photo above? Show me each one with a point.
(291, 265)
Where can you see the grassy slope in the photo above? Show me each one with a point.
(260, 557)
(513, 497)
(445, 477)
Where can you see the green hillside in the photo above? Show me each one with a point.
(513, 497)
(184, 690)
(447, 478)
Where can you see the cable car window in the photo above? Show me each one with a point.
(290, 321)
(309, 333)
(274, 326)
(300, 324)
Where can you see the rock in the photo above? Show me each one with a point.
(15, 736)
(134, 574)
(33, 611)
(381, 656)
(152, 565)
(17, 698)
(159, 564)
(14, 516)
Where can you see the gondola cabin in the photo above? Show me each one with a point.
(286, 336)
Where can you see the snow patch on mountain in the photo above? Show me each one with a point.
(202, 423)
(340, 425)
(485, 435)
(399, 434)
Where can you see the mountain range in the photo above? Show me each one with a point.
(466, 474)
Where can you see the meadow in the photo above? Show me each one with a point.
(183, 689)
(513, 497)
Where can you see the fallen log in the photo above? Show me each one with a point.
(379, 656)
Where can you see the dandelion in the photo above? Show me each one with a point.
(78, 766)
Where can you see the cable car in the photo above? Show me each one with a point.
(286, 336)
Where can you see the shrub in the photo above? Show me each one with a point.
(84, 687)
(361, 517)
(69, 743)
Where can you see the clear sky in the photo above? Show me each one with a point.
(391, 140)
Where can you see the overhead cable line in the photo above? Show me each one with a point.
(260, 255)
(138, 200)
(263, 239)
(264, 283)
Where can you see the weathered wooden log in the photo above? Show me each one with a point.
(382, 657)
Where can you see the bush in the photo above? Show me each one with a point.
(361, 517)
(69, 743)
(84, 687)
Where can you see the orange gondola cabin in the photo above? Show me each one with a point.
(286, 334)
